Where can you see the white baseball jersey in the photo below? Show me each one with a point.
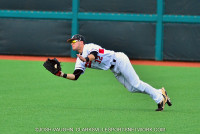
(103, 61)
(123, 70)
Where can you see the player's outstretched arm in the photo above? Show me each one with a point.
(67, 76)
(73, 76)
(53, 66)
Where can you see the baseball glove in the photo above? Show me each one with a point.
(53, 66)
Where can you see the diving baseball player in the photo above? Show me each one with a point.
(94, 56)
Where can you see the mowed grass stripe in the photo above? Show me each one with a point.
(33, 98)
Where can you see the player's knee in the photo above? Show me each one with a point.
(139, 86)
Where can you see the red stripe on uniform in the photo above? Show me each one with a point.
(101, 51)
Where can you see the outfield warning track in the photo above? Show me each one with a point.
(134, 62)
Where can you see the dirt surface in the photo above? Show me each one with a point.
(134, 62)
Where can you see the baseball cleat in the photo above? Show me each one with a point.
(168, 99)
(160, 106)
(165, 100)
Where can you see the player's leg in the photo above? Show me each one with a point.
(129, 78)
(159, 100)
(124, 82)
(142, 87)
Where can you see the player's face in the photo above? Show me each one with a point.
(75, 45)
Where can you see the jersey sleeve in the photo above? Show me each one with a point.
(79, 65)
(77, 73)
(93, 48)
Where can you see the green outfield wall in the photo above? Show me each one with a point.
(143, 29)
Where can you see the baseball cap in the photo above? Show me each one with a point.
(77, 37)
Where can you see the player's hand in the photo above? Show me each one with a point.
(59, 73)
(81, 58)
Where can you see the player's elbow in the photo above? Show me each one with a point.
(75, 79)
(77, 74)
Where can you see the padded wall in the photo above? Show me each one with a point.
(34, 37)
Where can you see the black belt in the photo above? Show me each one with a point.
(112, 66)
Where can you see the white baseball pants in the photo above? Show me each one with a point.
(126, 75)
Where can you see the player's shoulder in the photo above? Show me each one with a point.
(91, 46)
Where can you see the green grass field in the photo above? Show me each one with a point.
(34, 101)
